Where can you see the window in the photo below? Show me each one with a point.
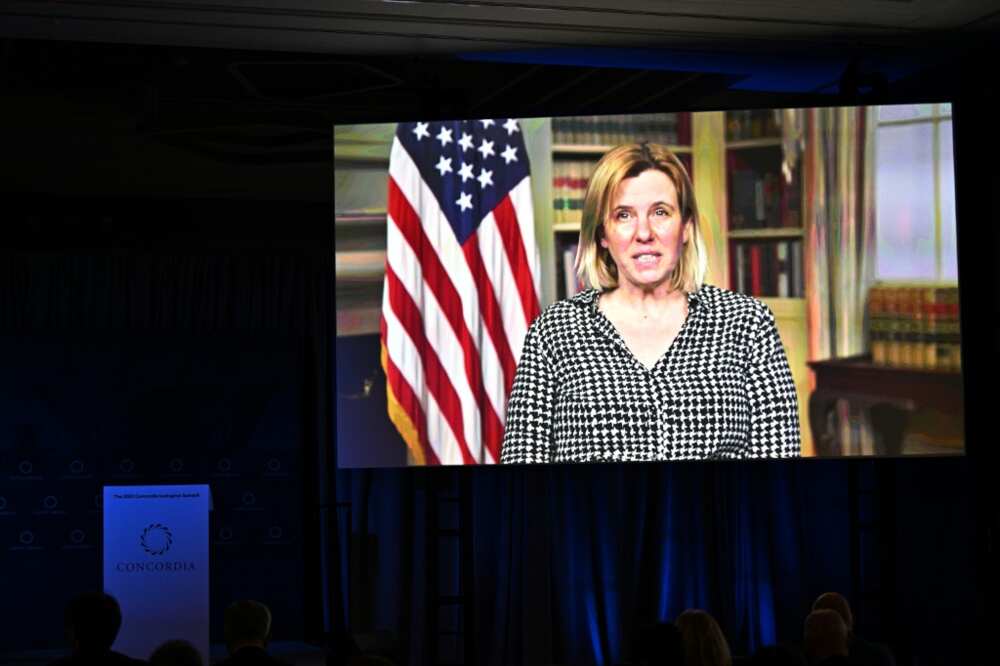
(915, 193)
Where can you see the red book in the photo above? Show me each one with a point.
(755, 272)
(734, 263)
(684, 129)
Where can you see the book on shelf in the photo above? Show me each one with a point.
(790, 205)
(915, 326)
(756, 201)
(569, 187)
(768, 268)
(797, 268)
(558, 200)
(759, 211)
(742, 193)
(612, 130)
(756, 272)
(578, 178)
(784, 270)
(739, 270)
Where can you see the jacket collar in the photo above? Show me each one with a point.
(697, 299)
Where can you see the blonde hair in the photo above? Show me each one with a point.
(594, 264)
(704, 642)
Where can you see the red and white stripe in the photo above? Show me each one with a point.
(454, 316)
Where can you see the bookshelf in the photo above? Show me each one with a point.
(764, 234)
(596, 151)
(764, 208)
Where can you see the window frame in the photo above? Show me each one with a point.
(937, 116)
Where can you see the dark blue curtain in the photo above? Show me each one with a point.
(159, 365)
(568, 562)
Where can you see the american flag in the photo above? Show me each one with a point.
(461, 284)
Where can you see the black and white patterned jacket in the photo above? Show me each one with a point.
(723, 390)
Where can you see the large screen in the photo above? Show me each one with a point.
(673, 286)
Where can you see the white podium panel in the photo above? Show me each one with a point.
(156, 564)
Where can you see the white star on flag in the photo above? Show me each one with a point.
(465, 172)
(465, 141)
(486, 148)
(485, 178)
(510, 126)
(464, 201)
(444, 136)
(509, 155)
(487, 122)
(444, 165)
(421, 131)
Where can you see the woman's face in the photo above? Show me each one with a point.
(644, 232)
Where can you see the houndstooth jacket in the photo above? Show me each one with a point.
(722, 390)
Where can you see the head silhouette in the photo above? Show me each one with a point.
(704, 642)
(247, 623)
(825, 635)
(176, 653)
(92, 622)
(836, 602)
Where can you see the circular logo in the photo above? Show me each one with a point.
(76, 467)
(176, 465)
(224, 464)
(50, 502)
(77, 536)
(126, 465)
(275, 532)
(225, 533)
(25, 467)
(273, 465)
(26, 537)
(249, 499)
(156, 539)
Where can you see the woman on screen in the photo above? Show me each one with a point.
(649, 363)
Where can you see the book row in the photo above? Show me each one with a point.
(757, 124)
(915, 326)
(569, 186)
(770, 268)
(761, 200)
(617, 129)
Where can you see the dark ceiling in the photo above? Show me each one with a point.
(262, 82)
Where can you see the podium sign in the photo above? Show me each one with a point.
(156, 565)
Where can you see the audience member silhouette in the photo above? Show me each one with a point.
(92, 623)
(704, 643)
(658, 644)
(247, 627)
(825, 638)
(777, 655)
(176, 653)
(861, 652)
